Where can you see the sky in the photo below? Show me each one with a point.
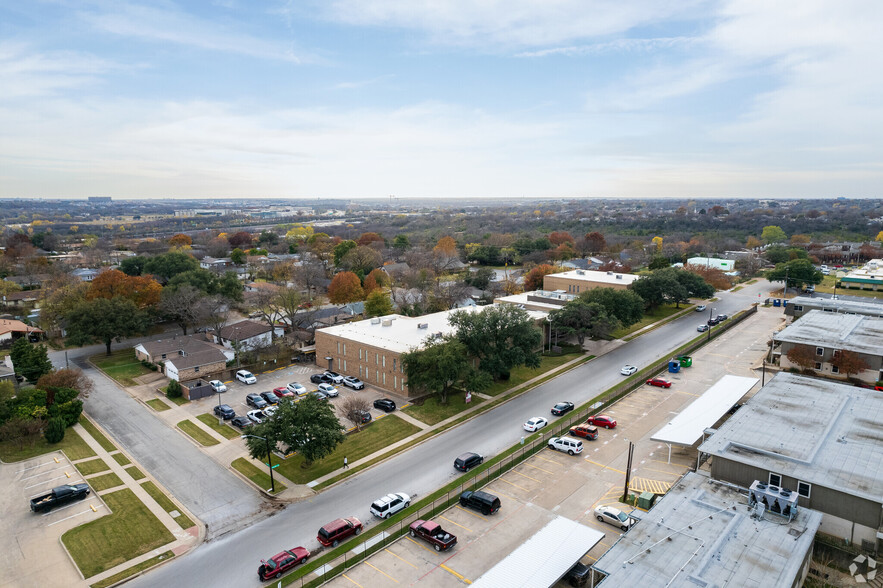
(441, 98)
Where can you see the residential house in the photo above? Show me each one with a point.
(218, 264)
(23, 298)
(10, 330)
(86, 274)
(246, 335)
(185, 358)
(726, 265)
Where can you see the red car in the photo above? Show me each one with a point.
(336, 531)
(433, 533)
(584, 431)
(602, 420)
(283, 391)
(661, 382)
(282, 562)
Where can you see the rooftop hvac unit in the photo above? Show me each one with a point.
(422, 325)
(618, 276)
(777, 500)
(609, 273)
(386, 322)
(580, 272)
(375, 321)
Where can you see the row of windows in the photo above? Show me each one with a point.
(379, 377)
(803, 488)
(363, 355)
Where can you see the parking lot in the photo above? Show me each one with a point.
(553, 483)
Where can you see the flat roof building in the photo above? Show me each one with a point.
(867, 277)
(799, 306)
(726, 265)
(538, 300)
(703, 533)
(576, 281)
(821, 439)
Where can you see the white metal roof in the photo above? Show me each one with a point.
(854, 332)
(544, 558)
(597, 276)
(687, 427)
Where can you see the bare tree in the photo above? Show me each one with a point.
(183, 306)
(216, 311)
(353, 408)
(287, 303)
(308, 274)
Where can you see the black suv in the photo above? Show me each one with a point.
(363, 415)
(385, 404)
(224, 410)
(467, 461)
(321, 379)
(255, 400)
(270, 397)
(483, 502)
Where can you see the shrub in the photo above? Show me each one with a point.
(55, 430)
(173, 390)
(70, 412)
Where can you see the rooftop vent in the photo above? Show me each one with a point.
(386, 322)
(422, 325)
(375, 321)
(618, 276)
(609, 273)
(580, 272)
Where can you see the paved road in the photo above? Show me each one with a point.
(207, 489)
(233, 559)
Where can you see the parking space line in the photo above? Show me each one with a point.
(48, 480)
(454, 523)
(450, 571)
(70, 517)
(548, 460)
(381, 571)
(353, 581)
(42, 473)
(538, 468)
(600, 465)
(504, 495)
(400, 557)
(513, 484)
(420, 544)
(37, 466)
(470, 513)
(526, 476)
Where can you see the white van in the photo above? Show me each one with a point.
(568, 444)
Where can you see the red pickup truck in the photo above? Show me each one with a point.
(433, 534)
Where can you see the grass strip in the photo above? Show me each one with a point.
(128, 572)
(121, 459)
(657, 314)
(129, 531)
(105, 443)
(196, 432)
(260, 477)
(737, 288)
(135, 473)
(373, 437)
(121, 365)
(73, 446)
(211, 421)
(158, 405)
(104, 482)
(523, 374)
(93, 466)
(656, 325)
(167, 505)
(432, 411)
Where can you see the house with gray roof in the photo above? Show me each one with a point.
(246, 335)
(185, 358)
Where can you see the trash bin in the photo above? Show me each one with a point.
(777, 302)
(674, 366)
(645, 500)
(685, 360)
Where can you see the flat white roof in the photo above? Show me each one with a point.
(596, 276)
(539, 299)
(687, 427)
(544, 558)
(853, 332)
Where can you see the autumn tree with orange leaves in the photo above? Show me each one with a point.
(533, 280)
(345, 287)
(144, 291)
(712, 275)
(375, 280)
(181, 240)
(560, 237)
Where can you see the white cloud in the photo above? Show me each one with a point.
(25, 73)
(628, 45)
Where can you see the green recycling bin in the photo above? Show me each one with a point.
(686, 360)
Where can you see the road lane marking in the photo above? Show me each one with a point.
(401, 558)
(381, 571)
(353, 581)
(456, 523)
(450, 571)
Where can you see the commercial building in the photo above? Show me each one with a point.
(704, 533)
(799, 306)
(541, 300)
(868, 277)
(576, 281)
(726, 265)
(827, 334)
(817, 438)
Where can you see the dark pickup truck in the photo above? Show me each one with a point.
(433, 533)
(58, 496)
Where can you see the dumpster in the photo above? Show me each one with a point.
(685, 360)
(777, 302)
(674, 366)
(646, 500)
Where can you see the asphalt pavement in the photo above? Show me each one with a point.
(232, 560)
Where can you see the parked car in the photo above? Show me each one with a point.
(58, 496)
(363, 415)
(721, 317)
(486, 504)
(255, 400)
(225, 411)
(283, 392)
(319, 394)
(614, 516)
(562, 408)
(270, 410)
(334, 377)
(578, 575)
(712, 321)
(298, 389)
(241, 422)
(467, 461)
(328, 390)
(702, 328)
(270, 397)
(566, 444)
(602, 420)
(584, 431)
(320, 379)
(660, 382)
(336, 531)
(700, 308)
(433, 534)
(535, 424)
(628, 370)
(282, 562)
(218, 386)
(257, 416)
(390, 504)
(246, 377)
(354, 383)
(385, 404)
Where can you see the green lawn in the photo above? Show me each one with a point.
(93, 466)
(128, 532)
(522, 374)
(223, 430)
(179, 400)
(432, 411)
(167, 505)
(376, 436)
(197, 433)
(650, 317)
(73, 446)
(147, 563)
(121, 365)
(121, 459)
(261, 477)
(158, 405)
(96, 434)
(104, 482)
(135, 473)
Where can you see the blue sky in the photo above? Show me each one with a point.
(441, 98)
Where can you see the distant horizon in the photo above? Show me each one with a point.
(399, 199)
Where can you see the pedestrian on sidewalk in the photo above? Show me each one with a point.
(345, 464)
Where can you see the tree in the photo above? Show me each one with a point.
(803, 356)
(657, 289)
(849, 363)
(658, 262)
(105, 321)
(309, 275)
(144, 291)
(286, 304)
(581, 318)
(7, 288)
(378, 303)
(133, 266)
(173, 390)
(533, 280)
(773, 234)
(181, 240)
(563, 252)
(480, 278)
(345, 287)
(30, 361)
(402, 243)
(595, 242)
(322, 246)
(299, 233)
(657, 244)
(268, 238)
(561, 237)
(752, 242)
(800, 239)
(240, 240)
(170, 264)
(714, 276)
(879, 237)
(798, 273)
(353, 407)
(55, 430)
(309, 427)
(500, 337)
(341, 249)
(71, 378)
(442, 365)
(371, 239)
(374, 280)
(446, 246)
(182, 305)
(625, 305)
(237, 256)
(362, 260)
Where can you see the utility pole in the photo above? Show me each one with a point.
(628, 472)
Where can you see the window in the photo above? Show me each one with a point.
(344, 366)
(163, 355)
(393, 364)
(835, 369)
(376, 376)
(803, 489)
(395, 382)
(820, 351)
(338, 348)
(196, 369)
(344, 348)
(776, 480)
(360, 353)
(798, 307)
(384, 378)
(818, 366)
(376, 358)
(384, 361)
(828, 309)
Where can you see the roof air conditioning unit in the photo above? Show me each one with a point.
(618, 276)
(375, 321)
(422, 325)
(580, 272)
(776, 500)
(386, 322)
(609, 273)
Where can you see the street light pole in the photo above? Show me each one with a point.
(269, 459)
(710, 314)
